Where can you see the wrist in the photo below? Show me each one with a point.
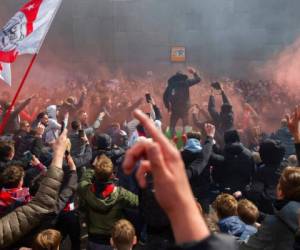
(72, 167)
(57, 159)
(187, 223)
(296, 139)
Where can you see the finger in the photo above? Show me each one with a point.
(298, 112)
(158, 167)
(64, 134)
(133, 155)
(153, 131)
(288, 119)
(143, 170)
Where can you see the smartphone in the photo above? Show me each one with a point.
(64, 123)
(148, 97)
(216, 85)
(28, 155)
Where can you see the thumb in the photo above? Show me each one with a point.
(145, 167)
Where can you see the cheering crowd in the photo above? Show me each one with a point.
(108, 165)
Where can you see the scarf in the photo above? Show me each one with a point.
(103, 190)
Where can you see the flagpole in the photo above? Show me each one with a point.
(8, 112)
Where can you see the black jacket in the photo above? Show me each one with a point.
(177, 95)
(277, 232)
(197, 168)
(235, 168)
(115, 154)
(27, 142)
(213, 242)
(263, 188)
(286, 138)
(84, 159)
(223, 120)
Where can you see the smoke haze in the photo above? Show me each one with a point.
(222, 38)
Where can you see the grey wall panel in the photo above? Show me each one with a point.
(220, 36)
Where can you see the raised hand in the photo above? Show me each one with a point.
(101, 115)
(40, 129)
(59, 148)
(293, 121)
(191, 70)
(210, 130)
(35, 161)
(71, 163)
(172, 190)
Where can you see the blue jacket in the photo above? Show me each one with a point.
(234, 226)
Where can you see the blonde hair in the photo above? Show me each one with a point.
(289, 183)
(225, 206)
(123, 234)
(47, 240)
(103, 167)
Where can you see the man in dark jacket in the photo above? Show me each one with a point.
(223, 120)
(177, 97)
(102, 144)
(285, 137)
(71, 106)
(7, 153)
(234, 170)
(28, 140)
(196, 157)
(263, 189)
(77, 139)
(67, 221)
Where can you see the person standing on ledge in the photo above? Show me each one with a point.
(177, 97)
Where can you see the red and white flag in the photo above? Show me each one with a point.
(5, 73)
(25, 32)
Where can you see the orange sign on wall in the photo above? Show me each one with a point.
(178, 54)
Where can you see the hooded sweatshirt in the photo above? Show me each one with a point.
(104, 203)
(193, 145)
(52, 130)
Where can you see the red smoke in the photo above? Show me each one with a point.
(284, 68)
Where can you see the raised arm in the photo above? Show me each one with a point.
(196, 78)
(25, 218)
(225, 98)
(69, 187)
(293, 125)
(212, 109)
(82, 99)
(198, 165)
(172, 189)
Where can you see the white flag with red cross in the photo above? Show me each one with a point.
(25, 32)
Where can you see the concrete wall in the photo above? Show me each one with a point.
(221, 36)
